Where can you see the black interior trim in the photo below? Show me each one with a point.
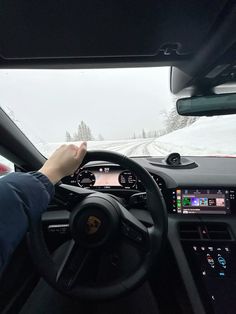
(220, 41)
(16, 147)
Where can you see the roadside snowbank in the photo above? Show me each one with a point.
(207, 136)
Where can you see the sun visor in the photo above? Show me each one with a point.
(104, 28)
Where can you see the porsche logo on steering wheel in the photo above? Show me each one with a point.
(93, 224)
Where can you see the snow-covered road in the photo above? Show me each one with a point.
(138, 147)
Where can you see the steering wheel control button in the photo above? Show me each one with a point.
(131, 233)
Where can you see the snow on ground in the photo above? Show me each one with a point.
(207, 136)
(136, 147)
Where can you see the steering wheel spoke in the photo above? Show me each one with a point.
(134, 230)
(73, 265)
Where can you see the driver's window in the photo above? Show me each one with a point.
(6, 166)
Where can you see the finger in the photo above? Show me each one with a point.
(81, 152)
(61, 146)
(83, 146)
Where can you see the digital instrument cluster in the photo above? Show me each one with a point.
(203, 200)
(108, 177)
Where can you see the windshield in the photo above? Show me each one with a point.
(130, 111)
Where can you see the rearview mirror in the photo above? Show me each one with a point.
(207, 105)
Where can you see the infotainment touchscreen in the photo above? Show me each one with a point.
(203, 201)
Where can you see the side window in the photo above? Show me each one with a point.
(5, 166)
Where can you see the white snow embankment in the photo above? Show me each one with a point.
(207, 136)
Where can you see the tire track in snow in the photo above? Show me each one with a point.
(148, 148)
(158, 147)
(135, 149)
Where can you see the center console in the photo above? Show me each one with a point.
(211, 255)
(206, 219)
(213, 268)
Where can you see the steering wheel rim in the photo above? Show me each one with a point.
(157, 233)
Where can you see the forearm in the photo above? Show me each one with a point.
(22, 197)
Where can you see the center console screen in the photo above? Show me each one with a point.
(203, 201)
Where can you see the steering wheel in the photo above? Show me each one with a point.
(111, 251)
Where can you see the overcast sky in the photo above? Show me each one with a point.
(113, 102)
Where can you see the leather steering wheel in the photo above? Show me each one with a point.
(111, 251)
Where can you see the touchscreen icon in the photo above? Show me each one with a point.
(203, 201)
(211, 201)
(186, 201)
(194, 201)
(220, 202)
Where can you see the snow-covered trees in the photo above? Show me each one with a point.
(173, 121)
(83, 133)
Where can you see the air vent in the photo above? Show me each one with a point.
(189, 231)
(208, 231)
(218, 232)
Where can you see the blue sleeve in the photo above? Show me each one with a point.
(22, 195)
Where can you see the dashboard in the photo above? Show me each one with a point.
(196, 191)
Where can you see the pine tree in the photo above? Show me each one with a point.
(143, 134)
(68, 137)
(84, 133)
(100, 137)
